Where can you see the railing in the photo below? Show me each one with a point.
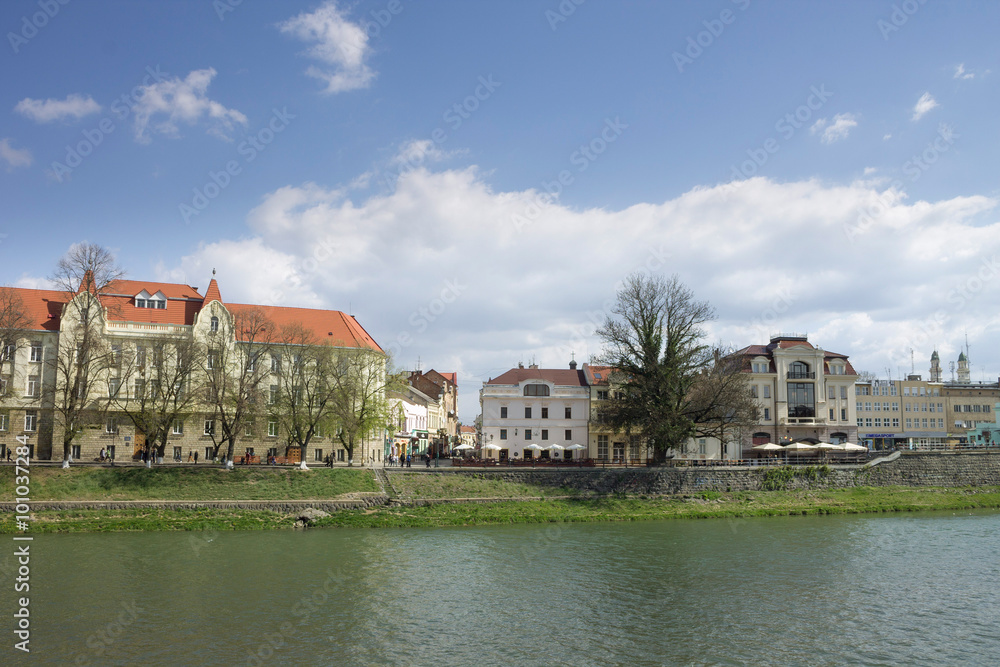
(800, 375)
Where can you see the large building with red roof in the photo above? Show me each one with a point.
(135, 310)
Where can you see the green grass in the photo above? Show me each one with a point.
(452, 485)
(207, 483)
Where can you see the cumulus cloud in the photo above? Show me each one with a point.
(45, 111)
(830, 132)
(923, 105)
(448, 269)
(185, 100)
(340, 45)
(14, 157)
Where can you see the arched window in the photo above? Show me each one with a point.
(536, 390)
(215, 324)
(799, 370)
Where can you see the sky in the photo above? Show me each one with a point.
(473, 180)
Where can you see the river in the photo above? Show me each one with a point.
(916, 589)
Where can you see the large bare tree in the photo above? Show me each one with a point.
(672, 384)
(84, 274)
(13, 324)
(235, 369)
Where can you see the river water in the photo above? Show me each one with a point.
(916, 589)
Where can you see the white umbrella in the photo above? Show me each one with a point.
(464, 446)
(799, 447)
(851, 447)
(576, 446)
(493, 447)
(828, 446)
(555, 447)
(533, 447)
(768, 446)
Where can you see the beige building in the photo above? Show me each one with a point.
(137, 321)
(803, 391)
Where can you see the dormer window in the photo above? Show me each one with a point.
(146, 300)
(536, 390)
(214, 324)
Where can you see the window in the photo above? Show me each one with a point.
(248, 429)
(895, 407)
(909, 423)
(527, 434)
(75, 451)
(634, 445)
(545, 434)
(503, 434)
(602, 447)
(895, 422)
(36, 351)
(527, 413)
(536, 390)
(753, 391)
(568, 434)
(30, 420)
(214, 324)
(568, 413)
(272, 428)
(272, 395)
(545, 413)
(831, 414)
(275, 363)
(4, 421)
(868, 406)
(701, 445)
(831, 392)
(799, 370)
(178, 427)
(114, 385)
(602, 395)
(843, 414)
(767, 414)
(318, 455)
(8, 352)
(940, 422)
(878, 406)
(503, 412)
(139, 388)
(893, 391)
(868, 421)
(209, 426)
(878, 422)
(906, 391)
(111, 426)
(212, 360)
(767, 391)
(801, 402)
(924, 420)
(32, 388)
(140, 357)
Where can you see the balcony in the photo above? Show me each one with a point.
(800, 375)
(802, 421)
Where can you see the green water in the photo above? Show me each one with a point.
(879, 590)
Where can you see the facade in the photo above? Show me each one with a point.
(803, 392)
(442, 388)
(603, 443)
(986, 434)
(467, 434)
(137, 321)
(540, 406)
(412, 422)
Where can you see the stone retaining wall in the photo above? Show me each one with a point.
(283, 506)
(910, 469)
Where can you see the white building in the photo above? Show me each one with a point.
(540, 406)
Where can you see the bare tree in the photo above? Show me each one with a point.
(13, 324)
(152, 382)
(235, 369)
(84, 274)
(672, 384)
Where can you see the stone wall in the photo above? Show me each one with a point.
(910, 469)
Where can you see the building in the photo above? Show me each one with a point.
(540, 406)
(443, 415)
(144, 331)
(803, 392)
(986, 434)
(467, 434)
(410, 407)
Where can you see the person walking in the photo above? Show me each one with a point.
(196, 457)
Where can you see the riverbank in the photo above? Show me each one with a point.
(483, 511)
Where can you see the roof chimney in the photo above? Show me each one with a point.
(535, 366)
(520, 364)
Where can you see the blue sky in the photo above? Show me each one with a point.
(472, 180)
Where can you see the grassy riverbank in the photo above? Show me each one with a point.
(708, 505)
(189, 483)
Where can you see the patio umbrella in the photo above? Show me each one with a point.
(768, 446)
(851, 447)
(799, 447)
(533, 447)
(464, 446)
(829, 446)
(555, 448)
(575, 446)
(493, 447)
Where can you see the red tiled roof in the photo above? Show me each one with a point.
(331, 326)
(450, 377)
(43, 307)
(597, 374)
(212, 293)
(183, 302)
(468, 429)
(557, 376)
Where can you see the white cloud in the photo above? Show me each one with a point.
(870, 170)
(183, 101)
(841, 126)
(448, 269)
(46, 111)
(923, 105)
(886, 137)
(960, 72)
(14, 157)
(336, 42)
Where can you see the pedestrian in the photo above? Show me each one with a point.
(409, 460)
(427, 460)
(196, 457)
(190, 456)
